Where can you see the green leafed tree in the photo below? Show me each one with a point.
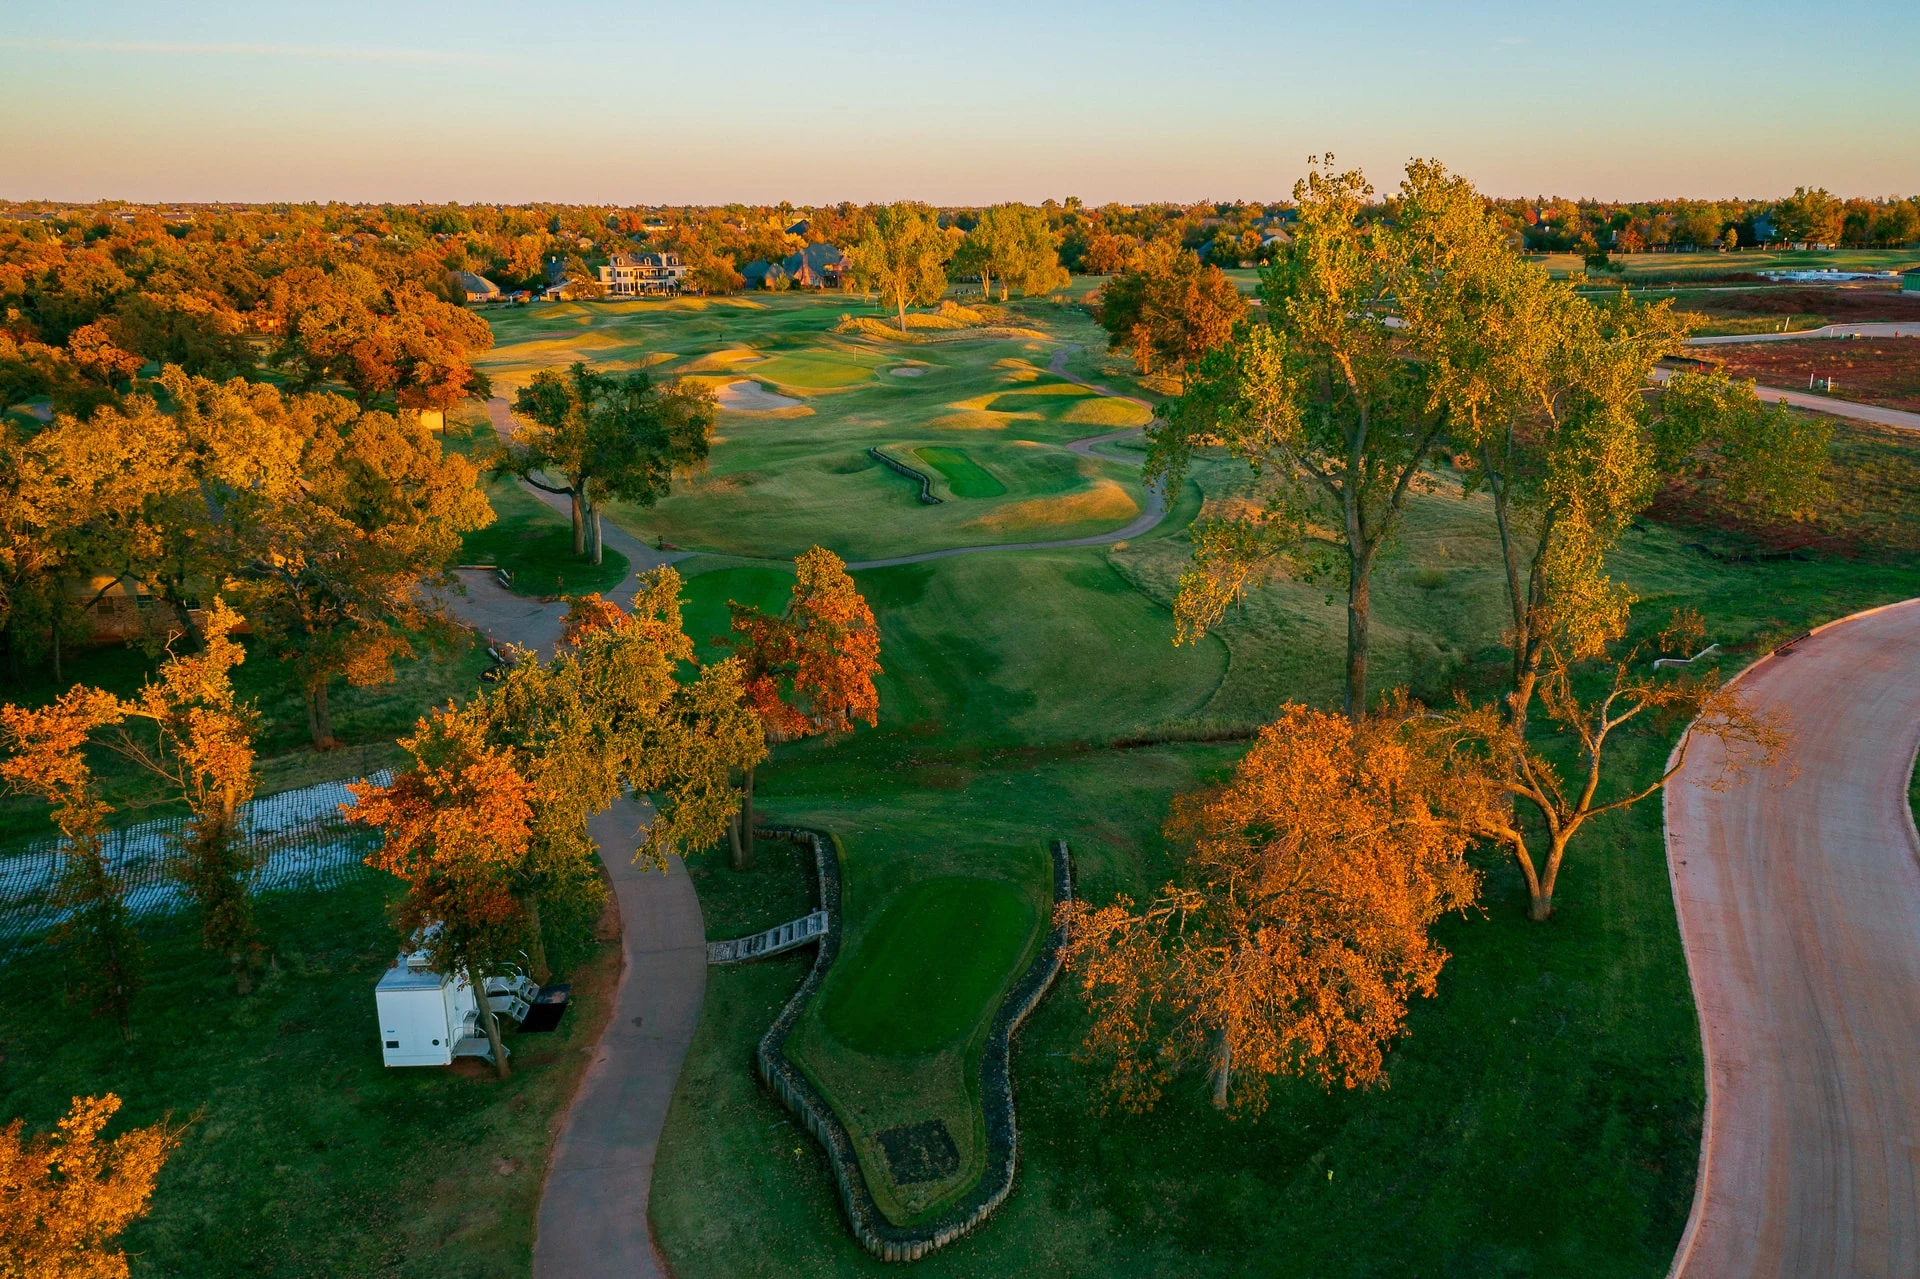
(595, 438)
(903, 257)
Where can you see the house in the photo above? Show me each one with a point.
(800, 228)
(478, 288)
(818, 266)
(1910, 280)
(762, 274)
(632, 275)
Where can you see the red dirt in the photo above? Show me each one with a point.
(1839, 305)
(1883, 371)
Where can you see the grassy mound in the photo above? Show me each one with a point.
(964, 476)
(1108, 413)
(929, 967)
(1104, 501)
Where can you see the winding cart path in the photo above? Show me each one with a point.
(593, 1207)
(1799, 909)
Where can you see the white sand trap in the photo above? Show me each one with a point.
(748, 396)
(910, 370)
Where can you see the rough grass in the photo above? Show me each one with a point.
(303, 1156)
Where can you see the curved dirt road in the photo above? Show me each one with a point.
(1799, 909)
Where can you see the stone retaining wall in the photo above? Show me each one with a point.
(876, 1234)
(921, 477)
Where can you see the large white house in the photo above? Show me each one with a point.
(629, 275)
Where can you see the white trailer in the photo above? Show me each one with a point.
(429, 1018)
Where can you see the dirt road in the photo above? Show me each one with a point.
(1799, 905)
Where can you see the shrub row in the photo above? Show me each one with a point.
(876, 1234)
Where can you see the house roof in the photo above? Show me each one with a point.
(476, 283)
(817, 258)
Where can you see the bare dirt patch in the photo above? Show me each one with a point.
(1838, 305)
(1883, 371)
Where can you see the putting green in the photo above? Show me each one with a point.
(930, 968)
(964, 476)
(820, 369)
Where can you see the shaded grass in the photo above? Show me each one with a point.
(305, 1156)
(534, 543)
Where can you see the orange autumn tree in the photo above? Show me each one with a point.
(202, 746)
(1299, 926)
(65, 1196)
(808, 671)
(456, 825)
(44, 755)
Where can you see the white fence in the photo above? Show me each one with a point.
(307, 842)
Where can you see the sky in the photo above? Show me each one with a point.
(639, 102)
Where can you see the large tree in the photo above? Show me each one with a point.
(807, 671)
(380, 337)
(455, 825)
(1585, 704)
(1299, 926)
(1320, 398)
(903, 256)
(1168, 308)
(1014, 244)
(595, 438)
(352, 519)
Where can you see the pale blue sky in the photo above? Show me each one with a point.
(637, 102)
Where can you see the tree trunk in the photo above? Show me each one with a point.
(1359, 614)
(1540, 897)
(57, 677)
(1221, 1071)
(319, 718)
(579, 525)
(487, 1019)
(597, 536)
(736, 858)
(743, 850)
(901, 300)
(537, 956)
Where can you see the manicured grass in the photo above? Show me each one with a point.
(1543, 1114)
(534, 543)
(965, 477)
(928, 967)
(304, 1156)
(777, 484)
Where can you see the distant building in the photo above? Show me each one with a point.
(800, 228)
(632, 275)
(818, 266)
(1910, 280)
(478, 288)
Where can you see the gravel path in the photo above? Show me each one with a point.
(1799, 908)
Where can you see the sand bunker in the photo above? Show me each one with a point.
(910, 370)
(752, 397)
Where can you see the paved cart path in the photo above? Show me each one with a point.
(1799, 909)
(1866, 329)
(593, 1208)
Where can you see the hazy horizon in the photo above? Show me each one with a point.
(586, 103)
